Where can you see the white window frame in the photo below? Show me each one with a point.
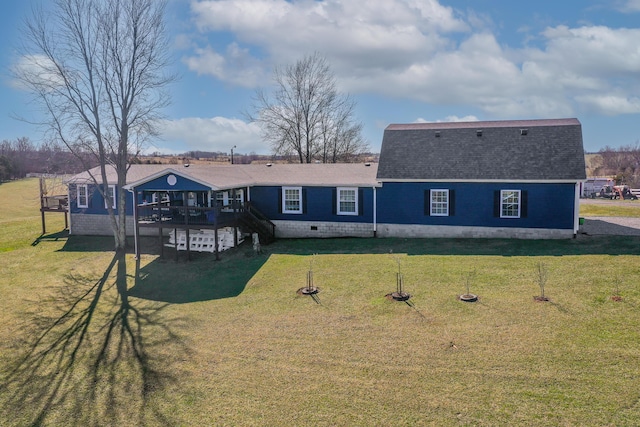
(339, 192)
(504, 204)
(284, 200)
(80, 196)
(112, 193)
(438, 207)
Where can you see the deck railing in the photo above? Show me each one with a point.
(188, 215)
(165, 215)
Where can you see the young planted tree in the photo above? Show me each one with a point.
(306, 117)
(97, 69)
(542, 275)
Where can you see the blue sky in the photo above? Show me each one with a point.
(403, 61)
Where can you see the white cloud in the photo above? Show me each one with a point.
(422, 50)
(629, 6)
(372, 34)
(214, 134)
(611, 104)
(35, 69)
(237, 66)
(448, 119)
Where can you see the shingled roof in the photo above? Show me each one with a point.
(514, 150)
(221, 176)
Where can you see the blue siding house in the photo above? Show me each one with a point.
(512, 179)
(515, 179)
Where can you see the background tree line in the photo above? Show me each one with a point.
(21, 157)
(623, 164)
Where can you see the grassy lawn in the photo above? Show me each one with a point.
(625, 208)
(232, 343)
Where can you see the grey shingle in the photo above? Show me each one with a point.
(550, 150)
(223, 176)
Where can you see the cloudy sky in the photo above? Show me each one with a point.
(402, 60)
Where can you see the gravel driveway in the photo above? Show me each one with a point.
(610, 225)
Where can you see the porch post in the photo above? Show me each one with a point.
(235, 218)
(175, 242)
(136, 228)
(188, 244)
(44, 227)
(215, 231)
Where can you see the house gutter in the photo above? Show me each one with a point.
(375, 212)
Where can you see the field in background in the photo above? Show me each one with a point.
(232, 343)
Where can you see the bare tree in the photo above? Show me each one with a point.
(306, 116)
(623, 163)
(97, 69)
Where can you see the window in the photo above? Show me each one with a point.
(347, 201)
(224, 199)
(291, 199)
(112, 194)
(83, 196)
(439, 202)
(510, 203)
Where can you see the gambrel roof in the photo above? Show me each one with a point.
(513, 150)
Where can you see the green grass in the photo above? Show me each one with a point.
(631, 209)
(232, 343)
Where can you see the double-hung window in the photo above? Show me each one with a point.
(292, 200)
(347, 202)
(439, 202)
(83, 196)
(510, 201)
(112, 194)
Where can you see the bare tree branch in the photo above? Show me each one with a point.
(306, 116)
(96, 67)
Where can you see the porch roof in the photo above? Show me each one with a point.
(224, 176)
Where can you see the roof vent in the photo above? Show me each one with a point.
(437, 134)
(479, 132)
(524, 132)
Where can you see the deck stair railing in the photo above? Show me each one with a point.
(256, 221)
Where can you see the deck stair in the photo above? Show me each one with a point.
(255, 221)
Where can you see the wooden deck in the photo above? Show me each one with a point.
(191, 218)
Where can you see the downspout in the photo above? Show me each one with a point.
(375, 212)
(576, 210)
(135, 220)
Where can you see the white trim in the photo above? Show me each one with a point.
(339, 191)
(431, 201)
(576, 209)
(112, 190)
(79, 197)
(284, 200)
(375, 210)
(167, 171)
(482, 181)
(519, 204)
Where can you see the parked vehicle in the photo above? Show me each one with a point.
(592, 186)
(623, 192)
(606, 192)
